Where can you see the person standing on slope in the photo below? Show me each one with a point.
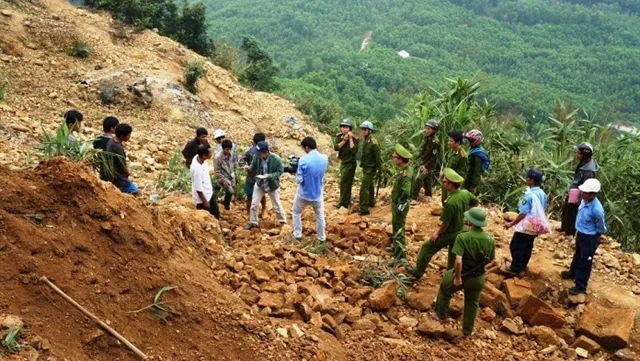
(268, 169)
(190, 150)
(310, 180)
(201, 187)
(472, 250)
(587, 169)
(250, 180)
(590, 225)
(451, 222)
(456, 159)
(429, 156)
(225, 169)
(400, 199)
(371, 165)
(522, 243)
(478, 160)
(346, 144)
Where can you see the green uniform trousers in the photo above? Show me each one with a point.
(398, 220)
(367, 193)
(347, 173)
(472, 288)
(429, 249)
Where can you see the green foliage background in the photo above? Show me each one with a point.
(527, 53)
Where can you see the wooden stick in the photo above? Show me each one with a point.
(94, 318)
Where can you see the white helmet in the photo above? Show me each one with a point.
(591, 185)
(218, 133)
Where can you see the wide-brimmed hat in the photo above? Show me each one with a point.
(477, 216)
(452, 176)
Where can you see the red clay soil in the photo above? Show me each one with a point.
(112, 253)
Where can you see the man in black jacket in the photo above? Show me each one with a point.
(191, 149)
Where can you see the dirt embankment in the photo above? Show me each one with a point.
(112, 253)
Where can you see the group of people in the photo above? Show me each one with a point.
(468, 251)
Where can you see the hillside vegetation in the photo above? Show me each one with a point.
(527, 53)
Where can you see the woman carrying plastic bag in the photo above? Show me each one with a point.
(530, 222)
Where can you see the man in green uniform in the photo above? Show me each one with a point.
(452, 222)
(428, 160)
(400, 201)
(346, 144)
(371, 164)
(473, 251)
(456, 158)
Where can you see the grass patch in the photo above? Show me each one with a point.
(10, 342)
(157, 308)
(376, 273)
(177, 177)
(80, 49)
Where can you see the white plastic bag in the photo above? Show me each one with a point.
(536, 221)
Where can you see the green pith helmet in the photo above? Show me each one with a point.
(477, 216)
(403, 152)
(452, 176)
(367, 125)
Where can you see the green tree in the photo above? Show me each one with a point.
(260, 71)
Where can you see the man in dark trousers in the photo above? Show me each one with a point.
(590, 226)
(346, 144)
(201, 187)
(587, 168)
(191, 149)
(428, 160)
(522, 243)
(121, 174)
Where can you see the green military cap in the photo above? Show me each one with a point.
(477, 216)
(452, 176)
(403, 152)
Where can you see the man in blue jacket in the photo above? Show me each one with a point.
(310, 179)
(590, 226)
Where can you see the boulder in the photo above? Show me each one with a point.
(263, 271)
(545, 336)
(580, 352)
(419, 300)
(610, 260)
(12, 322)
(430, 327)
(577, 299)
(596, 323)
(408, 322)
(351, 231)
(550, 318)
(271, 300)
(496, 300)
(635, 259)
(513, 325)
(586, 343)
(383, 298)
(488, 314)
(516, 290)
(248, 294)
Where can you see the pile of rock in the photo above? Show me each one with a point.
(26, 345)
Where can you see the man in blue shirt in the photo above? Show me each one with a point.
(522, 242)
(310, 179)
(590, 226)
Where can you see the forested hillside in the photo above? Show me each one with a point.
(527, 53)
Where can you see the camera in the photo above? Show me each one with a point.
(292, 168)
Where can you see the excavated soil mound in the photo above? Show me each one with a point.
(112, 253)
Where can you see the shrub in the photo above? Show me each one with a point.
(261, 70)
(10, 342)
(108, 94)
(192, 73)
(79, 49)
(226, 56)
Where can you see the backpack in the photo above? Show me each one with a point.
(482, 154)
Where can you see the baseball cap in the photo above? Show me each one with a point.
(534, 174)
(263, 146)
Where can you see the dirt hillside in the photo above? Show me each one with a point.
(141, 72)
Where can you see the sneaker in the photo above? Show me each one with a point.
(576, 291)
(511, 273)
(567, 275)
(337, 206)
(250, 226)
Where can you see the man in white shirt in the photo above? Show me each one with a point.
(201, 188)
